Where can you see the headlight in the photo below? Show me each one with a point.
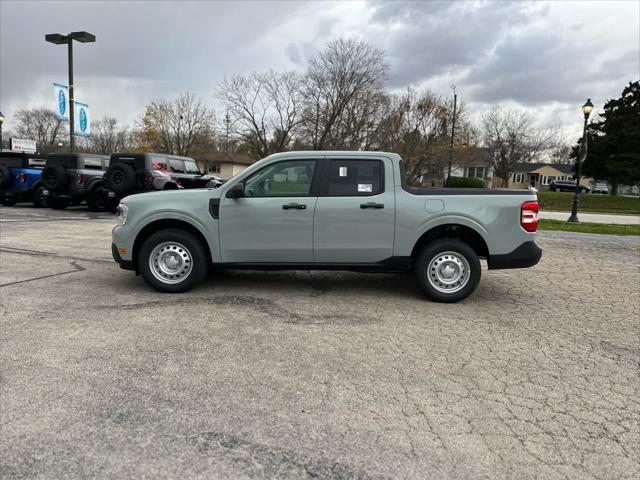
(122, 212)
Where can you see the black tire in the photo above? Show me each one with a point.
(8, 201)
(98, 199)
(193, 259)
(453, 254)
(39, 198)
(54, 177)
(5, 176)
(121, 178)
(58, 203)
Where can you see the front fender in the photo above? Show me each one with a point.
(126, 235)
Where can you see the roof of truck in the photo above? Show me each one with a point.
(329, 153)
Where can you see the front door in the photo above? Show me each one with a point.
(273, 223)
(355, 214)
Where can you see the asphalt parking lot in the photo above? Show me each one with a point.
(313, 374)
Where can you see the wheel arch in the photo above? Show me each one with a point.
(455, 230)
(163, 224)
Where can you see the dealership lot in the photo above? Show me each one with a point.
(313, 374)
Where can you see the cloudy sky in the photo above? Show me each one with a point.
(544, 56)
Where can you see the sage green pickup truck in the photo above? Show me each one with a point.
(320, 210)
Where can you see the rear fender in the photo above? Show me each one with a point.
(456, 220)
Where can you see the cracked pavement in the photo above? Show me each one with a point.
(313, 374)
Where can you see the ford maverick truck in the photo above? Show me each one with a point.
(327, 210)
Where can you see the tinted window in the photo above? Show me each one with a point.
(283, 179)
(11, 162)
(354, 178)
(183, 166)
(159, 163)
(92, 162)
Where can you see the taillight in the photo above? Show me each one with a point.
(79, 178)
(23, 177)
(529, 216)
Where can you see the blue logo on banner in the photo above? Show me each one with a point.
(83, 120)
(62, 102)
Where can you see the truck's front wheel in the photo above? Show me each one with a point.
(448, 270)
(172, 261)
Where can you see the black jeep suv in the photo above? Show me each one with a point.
(139, 172)
(73, 178)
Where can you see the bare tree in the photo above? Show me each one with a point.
(108, 137)
(512, 137)
(340, 83)
(41, 125)
(175, 127)
(263, 109)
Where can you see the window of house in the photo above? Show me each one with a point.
(355, 178)
(476, 172)
(283, 179)
(518, 177)
(214, 168)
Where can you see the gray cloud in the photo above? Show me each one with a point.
(531, 54)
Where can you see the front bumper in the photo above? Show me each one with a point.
(526, 255)
(124, 264)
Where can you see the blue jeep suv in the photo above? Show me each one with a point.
(20, 179)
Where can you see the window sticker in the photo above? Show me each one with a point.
(342, 171)
(365, 187)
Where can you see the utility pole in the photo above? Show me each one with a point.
(227, 123)
(453, 132)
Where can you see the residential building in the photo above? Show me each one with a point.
(226, 164)
(540, 175)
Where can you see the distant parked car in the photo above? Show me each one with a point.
(600, 188)
(20, 179)
(566, 186)
(130, 173)
(71, 179)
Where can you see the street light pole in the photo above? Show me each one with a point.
(1, 122)
(72, 103)
(453, 131)
(582, 156)
(59, 39)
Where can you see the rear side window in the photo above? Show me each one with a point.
(176, 166)
(349, 178)
(92, 162)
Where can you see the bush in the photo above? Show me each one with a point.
(465, 182)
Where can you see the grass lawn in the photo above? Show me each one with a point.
(589, 227)
(561, 202)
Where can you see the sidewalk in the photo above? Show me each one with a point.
(593, 217)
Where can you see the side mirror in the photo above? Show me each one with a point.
(237, 191)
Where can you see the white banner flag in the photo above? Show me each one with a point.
(61, 101)
(82, 120)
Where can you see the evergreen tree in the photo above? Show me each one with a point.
(614, 141)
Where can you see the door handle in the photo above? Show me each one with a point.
(294, 206)
(372, 205)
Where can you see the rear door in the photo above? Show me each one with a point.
(355, 212)
(273, 223)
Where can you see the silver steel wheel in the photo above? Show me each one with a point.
(448, 272)
(170, 262)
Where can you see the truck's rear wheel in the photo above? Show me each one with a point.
(39, 197)
(447, 270)
(172, 261)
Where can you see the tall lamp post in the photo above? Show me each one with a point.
(453, 131)
(1, 122)
(59, 39)
(582, 156)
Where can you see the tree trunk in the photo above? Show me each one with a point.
(614, 187)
